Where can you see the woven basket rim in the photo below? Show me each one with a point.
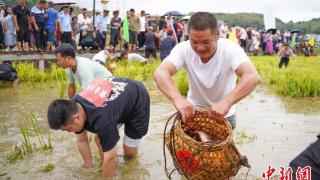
(220, 145)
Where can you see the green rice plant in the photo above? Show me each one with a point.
(37, 130)
(49, 167)
(300, 79)
(181, 82)
(27, 148)
(129, 165)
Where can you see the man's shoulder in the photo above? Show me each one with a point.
(185, 45)
(225, 43)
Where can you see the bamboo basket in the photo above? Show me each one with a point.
(215, 160)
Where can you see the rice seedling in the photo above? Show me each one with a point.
(27, 148)
(129, 165)
(36, 129)
(49, 167)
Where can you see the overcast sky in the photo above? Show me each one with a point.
(286, 10)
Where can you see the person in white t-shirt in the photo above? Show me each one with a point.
(142, 36)
(133, 57)
(212, 66)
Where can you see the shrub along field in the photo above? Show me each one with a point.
(300, 79)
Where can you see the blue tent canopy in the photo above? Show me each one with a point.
(173, 13)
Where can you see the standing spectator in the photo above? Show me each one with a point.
(178, 28)
(22, 25)
(163, 33)
(162, 22)
(142, 34)
(224, 30)
(75, 30)
(38, 21)
(169, 19)
(249, 44)
(185, 30)
(80, 16)
(89, 38)
(285, 53)
(83, 23)
(115, 28)
(103, 28)
(2, 10)
(243, 38)
(134, 28)
(2, 30)
(51, 25)
(150, 43)
(65, 26)
(10, 34)
(167, 45)
(255, 41)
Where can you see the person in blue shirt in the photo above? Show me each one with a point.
(103, 27)
(65, 25)
(38, 17)
(51, 25)
(167, 45)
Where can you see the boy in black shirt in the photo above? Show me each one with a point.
(102, 108)
(8, 73)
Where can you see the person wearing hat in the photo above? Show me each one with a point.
(8, 73)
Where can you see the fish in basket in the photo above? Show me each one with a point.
(202, 148)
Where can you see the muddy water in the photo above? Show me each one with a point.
(271, 130)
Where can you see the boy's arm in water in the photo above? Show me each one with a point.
(109, 163)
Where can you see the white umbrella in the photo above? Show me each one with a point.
(63, 1)
(186, 17)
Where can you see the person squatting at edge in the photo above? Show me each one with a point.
(102, 108)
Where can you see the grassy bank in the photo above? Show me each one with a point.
(300, 79)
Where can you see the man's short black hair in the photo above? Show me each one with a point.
(84, 9)
(7, 62)
(169, 33)
(132, 10)
(142, 11)
(201, 21)
(42, 1)
(65, 50)
(60, 112)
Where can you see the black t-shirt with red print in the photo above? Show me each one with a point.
(112, 101)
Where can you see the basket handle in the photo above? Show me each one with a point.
(173, 117)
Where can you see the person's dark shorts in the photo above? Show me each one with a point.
(133, 37)
(309, 157)
(23, 35)
(8, 76)
(137, 126)
(50, 36)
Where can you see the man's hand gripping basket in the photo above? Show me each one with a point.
(216, 159)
